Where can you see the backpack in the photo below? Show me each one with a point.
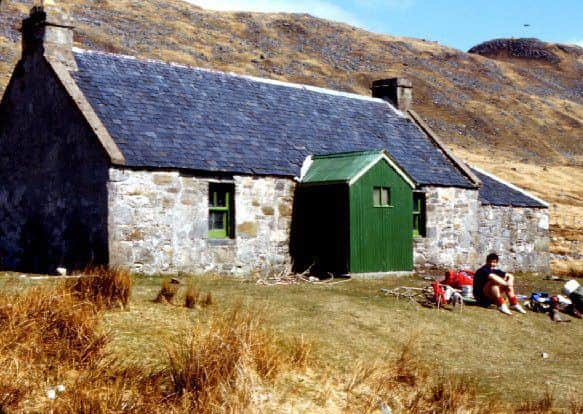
(457, 279)
(540, 302)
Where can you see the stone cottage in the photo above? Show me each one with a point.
(110, 159)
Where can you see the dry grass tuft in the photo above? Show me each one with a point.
(193, 298)
(215, 370)
(409, 368)
(45, 331)
(451, 394)
(208, 299)
(110, 387)
(50, 325)
(167, 291)
(105, 287)
(575, 403)
(409, 385)
(575, 270)
(546, 404)
(360, 373)
(300, 352)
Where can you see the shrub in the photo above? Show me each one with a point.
(105, 287)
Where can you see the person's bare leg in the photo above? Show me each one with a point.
(493, 291)
(509, 290)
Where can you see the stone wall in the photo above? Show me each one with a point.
(158, 222)
(451, 229)
(461, 232)
(53, 175)
(519, 235)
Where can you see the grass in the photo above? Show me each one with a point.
(46, 334)
(301, 348)
(167, 291)
(214, 368)
(349, 322)
(193, 297)
(106, 288)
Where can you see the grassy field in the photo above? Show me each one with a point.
(351, 333)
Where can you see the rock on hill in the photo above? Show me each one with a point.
(519, 98)
(526, 49)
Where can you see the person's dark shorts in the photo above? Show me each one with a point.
(482, 299)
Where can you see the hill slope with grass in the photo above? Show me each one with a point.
(513, 106)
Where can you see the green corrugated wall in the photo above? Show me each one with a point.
(380, 237)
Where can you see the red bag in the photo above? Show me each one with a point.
(457, 279)
(438, 294)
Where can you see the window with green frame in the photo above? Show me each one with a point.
(419, 216)
(381, 196)
(221, 211)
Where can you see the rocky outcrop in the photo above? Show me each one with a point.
(516, 48)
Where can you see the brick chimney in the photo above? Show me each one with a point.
(47, 32)
(397, 91)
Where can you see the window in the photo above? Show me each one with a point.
(221, 211)
(381, 197)
(419, 214)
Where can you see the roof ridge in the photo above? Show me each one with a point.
(258, 79)
(348, 154)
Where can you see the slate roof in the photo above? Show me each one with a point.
(496, 193)
(170, 116)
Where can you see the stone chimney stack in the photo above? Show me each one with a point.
(397, 91)
(48, 32)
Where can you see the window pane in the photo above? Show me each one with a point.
(217, 220)
(221, 218)
(385, 196)
(376, 196)
(419, 217)
(218, 198)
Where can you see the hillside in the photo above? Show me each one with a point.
(514, 103)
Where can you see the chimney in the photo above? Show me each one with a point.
(397, 91)
(47, 32)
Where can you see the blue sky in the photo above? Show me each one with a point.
(457, 23)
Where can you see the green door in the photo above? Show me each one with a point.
(381, 229)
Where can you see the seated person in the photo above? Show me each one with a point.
(491, 284)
